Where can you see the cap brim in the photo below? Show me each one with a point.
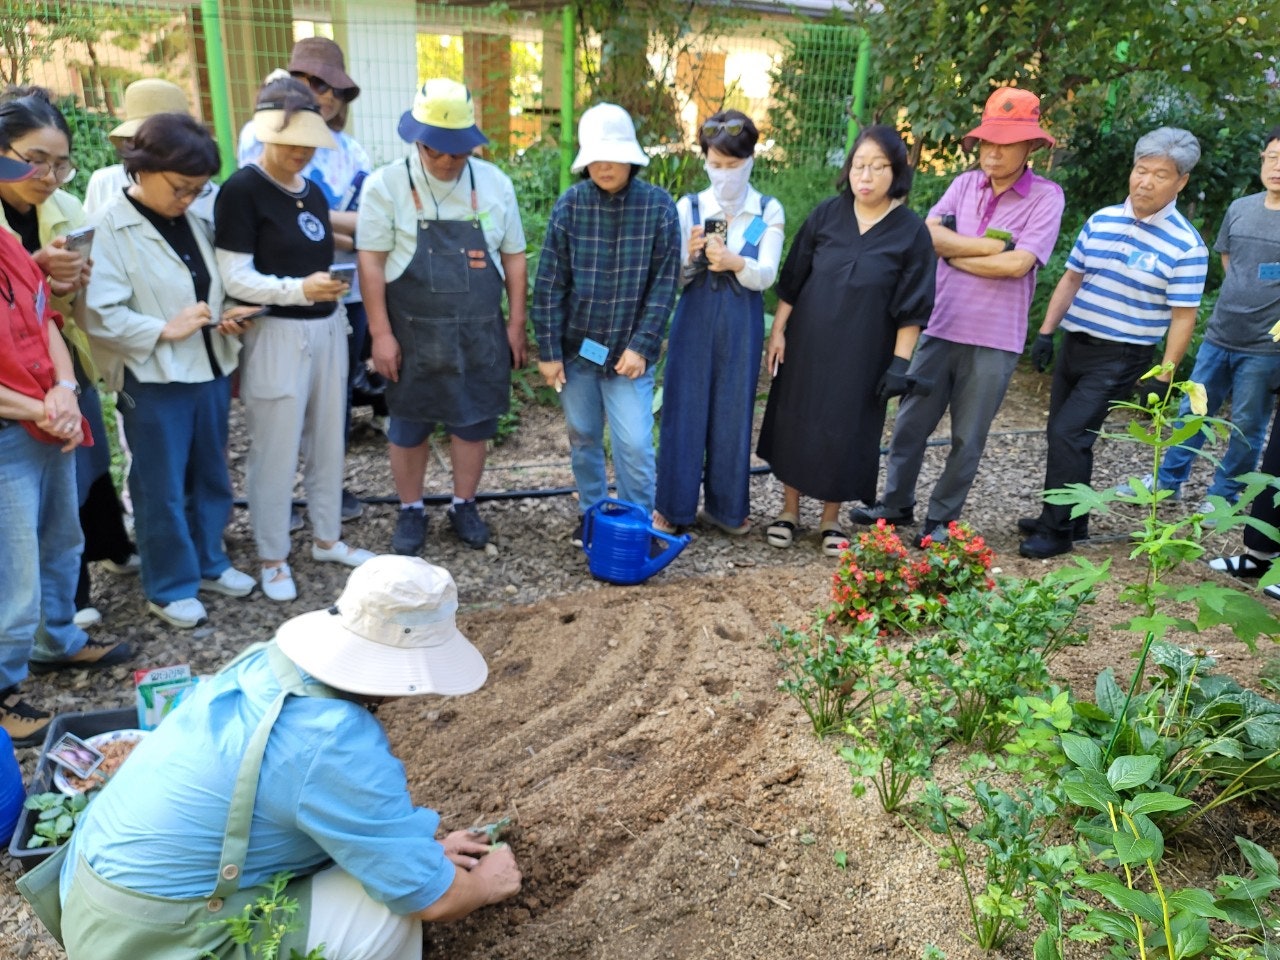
(340, 80)
(305, 128)
(322, 646)
(1005, 134)
(127, 129)
(11, 171)
(629, 153)
(465, 140)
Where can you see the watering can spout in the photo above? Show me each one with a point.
(618, 539)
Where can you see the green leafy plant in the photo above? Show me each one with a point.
(263, 925)
(57, 818)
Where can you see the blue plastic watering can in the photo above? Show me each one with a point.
(617, 538)
(11, 790)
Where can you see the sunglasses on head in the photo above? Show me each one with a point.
(713, 128)
(320, 87)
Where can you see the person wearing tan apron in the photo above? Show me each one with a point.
(392, 633)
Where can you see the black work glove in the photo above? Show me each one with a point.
(920, 386)
(1042, 352)
(948, 220)
(894, 382)
(1146, 387)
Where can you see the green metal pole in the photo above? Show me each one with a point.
(569, 41)
(860, 74)
(219, 95)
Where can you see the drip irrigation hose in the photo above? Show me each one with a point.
(538, 493)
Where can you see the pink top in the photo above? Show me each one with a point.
(992, 312)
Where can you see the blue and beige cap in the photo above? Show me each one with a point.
(443, 117)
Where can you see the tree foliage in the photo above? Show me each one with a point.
(939, 59)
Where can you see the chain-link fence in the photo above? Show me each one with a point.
(796, 78)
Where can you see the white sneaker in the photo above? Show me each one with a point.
(340, 553)
(87, 617)
(185, 613)
(126, 569)
(231, 583)
(1148, 483)
(1207, 508)
(277, 583)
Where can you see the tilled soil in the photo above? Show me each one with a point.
(667, 799)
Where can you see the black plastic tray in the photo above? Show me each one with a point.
(88, 724)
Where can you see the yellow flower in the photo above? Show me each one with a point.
(1197, 397)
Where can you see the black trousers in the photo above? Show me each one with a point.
(1264, 507)
(1090, 375)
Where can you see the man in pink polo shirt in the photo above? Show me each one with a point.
(992, 230)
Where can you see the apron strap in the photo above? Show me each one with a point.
(235, 840)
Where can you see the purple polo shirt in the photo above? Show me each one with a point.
(992, 311)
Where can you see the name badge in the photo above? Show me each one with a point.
(1142, 260)
(596, 353)
(1269, 271)
(755, 230)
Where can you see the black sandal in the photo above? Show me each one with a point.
(1244, 565)
(834, 541)
(781, 533)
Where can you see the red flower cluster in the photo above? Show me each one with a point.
(878, 576)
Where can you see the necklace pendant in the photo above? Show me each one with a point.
(299, 203)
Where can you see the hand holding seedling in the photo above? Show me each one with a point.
(465, 848)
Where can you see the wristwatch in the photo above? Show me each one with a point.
(70, 385)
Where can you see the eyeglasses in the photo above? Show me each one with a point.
(435, 154)
(188, 193)
(62, 170)
(713, 128)
(320, 87)
(1270, 159)
(858, 169)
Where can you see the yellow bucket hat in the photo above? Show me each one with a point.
(443, 117)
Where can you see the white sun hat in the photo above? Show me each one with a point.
(392, 633)
(606, 132)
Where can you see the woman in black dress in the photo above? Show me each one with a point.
(855, 291)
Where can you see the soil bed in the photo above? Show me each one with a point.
(667, 800)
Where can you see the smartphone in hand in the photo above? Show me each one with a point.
(344, 272)
(79, 241)
(715, 227)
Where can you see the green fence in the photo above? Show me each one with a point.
(528, 73)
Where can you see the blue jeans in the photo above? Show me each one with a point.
(708, 398)
(1249, 379)
(40, 545)
(588, 397)
(179, 483)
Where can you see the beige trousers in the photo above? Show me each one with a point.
(293, 381)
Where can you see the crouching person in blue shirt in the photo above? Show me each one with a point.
(278, 764)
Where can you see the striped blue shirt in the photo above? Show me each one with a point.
(1135, 273)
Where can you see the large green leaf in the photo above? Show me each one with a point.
(1108, 694)
(1084, 752)
(1130, 849)
(1089, 789)
(1125, 773)
(1198, 902)
(1156, 803)
(1136, 902)
(1263, 863)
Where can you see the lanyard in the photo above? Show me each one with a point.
(417, 200)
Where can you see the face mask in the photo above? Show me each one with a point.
(729, 187)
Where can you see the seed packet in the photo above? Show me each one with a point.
(159, 691)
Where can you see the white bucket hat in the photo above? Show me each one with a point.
(606, 132)
(144, 98)
(392, 633)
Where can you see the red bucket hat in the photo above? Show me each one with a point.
(1012, 115)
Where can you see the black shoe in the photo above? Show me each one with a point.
(1030, 526)
(1044, 545)
(870, 516)
(410, 533)
(935, 531)
(468, 525)
(25, 724)
(94, 654)
(351, 506)
(576, 539)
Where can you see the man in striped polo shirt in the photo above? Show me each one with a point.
(1135, 275)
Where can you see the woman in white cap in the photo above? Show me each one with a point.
(284, 739)
(732, 240)
(605, 288)
(339, 173)
(160, 334)
(142, 98)
(274, 246)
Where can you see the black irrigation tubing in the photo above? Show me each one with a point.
(538, 493)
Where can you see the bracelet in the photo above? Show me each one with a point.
(69, 385)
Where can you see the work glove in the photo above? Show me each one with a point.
(920, 386)
(1042, 352)
(894, 382)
